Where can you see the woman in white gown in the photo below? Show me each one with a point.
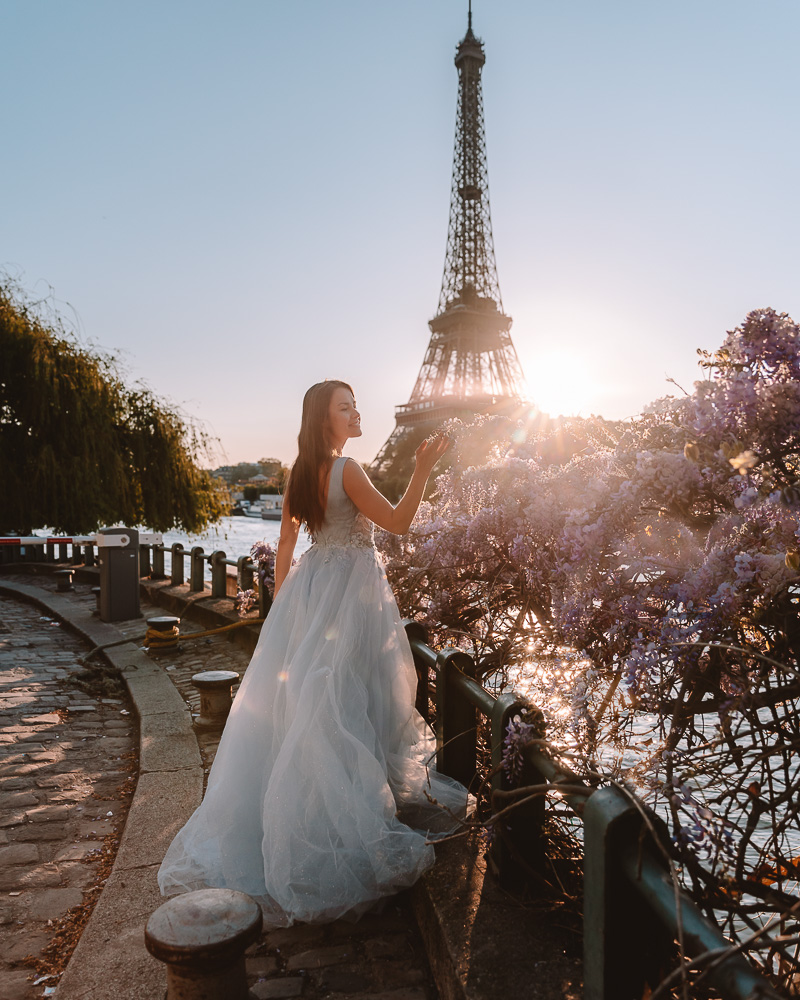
(323, 796)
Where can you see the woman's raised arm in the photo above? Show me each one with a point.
(376, 507)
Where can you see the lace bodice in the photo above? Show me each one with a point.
(344, 525)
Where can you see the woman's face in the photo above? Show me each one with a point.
(344, 420)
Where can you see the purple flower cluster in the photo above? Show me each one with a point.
(707, 834)
(518, 734)
(263, 555)
(245, 601)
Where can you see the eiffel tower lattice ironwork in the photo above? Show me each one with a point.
(470, 365)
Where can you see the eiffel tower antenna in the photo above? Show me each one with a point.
(470, 365)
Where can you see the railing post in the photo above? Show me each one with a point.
(264, 599)
(218, 573)
(624, 945)
(51, 551)
(63, 552)
(196, 568)
(417, 631)
(518, 849)
(144, 560)
(157, 572)
(77, 555)
(88, 554)
(176, 567)
(456, 719)
(244, 572)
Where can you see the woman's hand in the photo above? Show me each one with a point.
(375, 506)
(430, 451)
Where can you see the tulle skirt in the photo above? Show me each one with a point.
(323, 796)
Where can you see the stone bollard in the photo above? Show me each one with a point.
(215, 697)
(202, 937)
(63, 579)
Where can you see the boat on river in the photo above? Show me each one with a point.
(268, 508)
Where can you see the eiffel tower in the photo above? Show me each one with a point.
(470, 365)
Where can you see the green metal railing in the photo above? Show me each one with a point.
(634, 911)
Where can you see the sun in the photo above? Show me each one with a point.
(562, 385)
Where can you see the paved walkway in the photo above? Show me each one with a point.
(67, 768)
(64, 765)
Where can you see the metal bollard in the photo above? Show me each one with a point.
(64, 579)
(201, 937)
(196, 568)
(166, 624)
(215, 697)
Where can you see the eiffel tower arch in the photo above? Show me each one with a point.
(471, 365)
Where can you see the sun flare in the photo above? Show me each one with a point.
(562, 385)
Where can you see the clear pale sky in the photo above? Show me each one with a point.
(245, 197)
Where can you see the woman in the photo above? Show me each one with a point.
(320, 799)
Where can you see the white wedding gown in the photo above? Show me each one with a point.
(316, 803)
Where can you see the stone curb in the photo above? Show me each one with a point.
(111, 958)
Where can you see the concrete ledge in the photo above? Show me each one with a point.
(169, 789)
(483, 944)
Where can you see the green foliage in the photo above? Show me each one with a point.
(243, 471)
(79, 449)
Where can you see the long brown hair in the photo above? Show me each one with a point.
(306, 486)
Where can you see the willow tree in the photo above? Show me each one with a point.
(78, 448)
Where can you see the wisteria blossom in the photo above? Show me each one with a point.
(665, 551)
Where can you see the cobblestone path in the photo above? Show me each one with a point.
(66, 765)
